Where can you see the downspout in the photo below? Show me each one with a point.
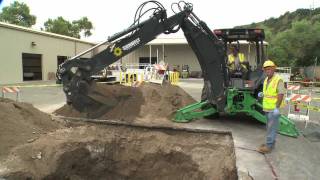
(150, 49)
(163, 53)
(157, 56)
(75, 48)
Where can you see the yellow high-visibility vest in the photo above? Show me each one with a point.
(270, 95)
(231, 59)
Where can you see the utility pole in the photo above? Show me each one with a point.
(313, 5)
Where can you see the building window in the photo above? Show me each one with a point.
(61, 59)
(146, 60)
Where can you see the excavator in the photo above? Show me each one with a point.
(222, 93)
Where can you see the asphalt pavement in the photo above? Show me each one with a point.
(44, 95)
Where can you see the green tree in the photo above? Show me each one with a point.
(294, 37)
(19, 14)
(83, 25)
(59, 26)
(297, 46)
(64, 27)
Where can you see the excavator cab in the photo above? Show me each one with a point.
(249, 42)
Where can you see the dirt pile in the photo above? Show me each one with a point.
(21, 123)
(35, 147)
(123, 152)
(149, 102)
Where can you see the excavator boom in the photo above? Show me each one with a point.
(76, 74)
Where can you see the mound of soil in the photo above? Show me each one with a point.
(33, 146)
(124, 152)
(21, 123)
(148, 102)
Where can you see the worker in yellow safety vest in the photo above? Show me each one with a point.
(273, 92)
(237, 62)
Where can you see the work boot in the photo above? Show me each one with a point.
(264, 149)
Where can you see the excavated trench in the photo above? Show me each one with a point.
(36, 147)
(125, 152)
(81, 164)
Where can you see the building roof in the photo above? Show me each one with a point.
(30, 30)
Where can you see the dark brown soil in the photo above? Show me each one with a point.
(124, 152)
(33, 146)
(147, 103)
(21, 123)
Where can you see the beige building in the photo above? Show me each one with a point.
(174, 51)
(177, 52)
(27, 54)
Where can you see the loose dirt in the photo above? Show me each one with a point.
(147, 103)
(21, 123)
(33, 146)
(124, 152)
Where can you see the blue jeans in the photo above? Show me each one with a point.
(272, 128)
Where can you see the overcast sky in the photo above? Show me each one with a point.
(112, 16)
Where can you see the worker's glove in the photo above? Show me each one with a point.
(276, 111)
(260, 94)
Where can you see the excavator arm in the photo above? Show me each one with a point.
(76, 73)
(211, 55)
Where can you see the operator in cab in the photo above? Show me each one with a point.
(273, 93)
(237, 62)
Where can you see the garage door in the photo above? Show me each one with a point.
(32, 67)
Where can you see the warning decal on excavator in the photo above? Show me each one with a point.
(131, 44)
(117, 51)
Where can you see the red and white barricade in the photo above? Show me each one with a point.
(300, 97)
(11, 90)
(160, 67)
(155, 73)
(293, 87)
(298, 107)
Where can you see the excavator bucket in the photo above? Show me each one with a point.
(91, 98)
(96, 94)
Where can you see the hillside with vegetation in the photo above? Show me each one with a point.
(294, 37)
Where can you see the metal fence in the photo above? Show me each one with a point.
(310, 72)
